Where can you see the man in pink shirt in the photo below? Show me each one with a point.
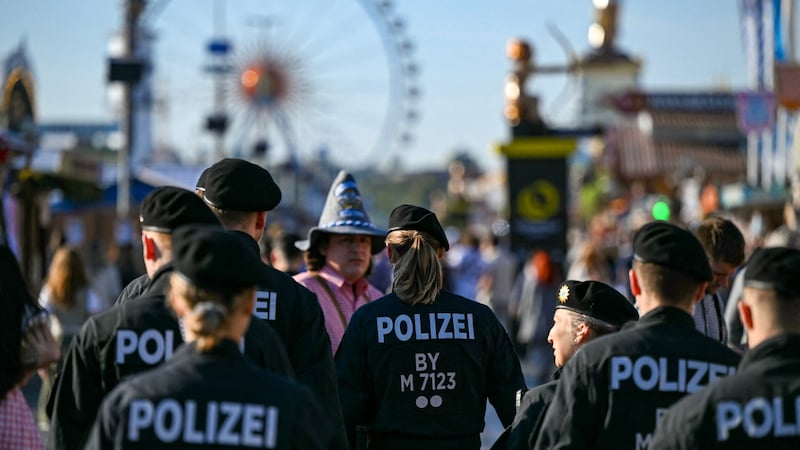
(338, 255)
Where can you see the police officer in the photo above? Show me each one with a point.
(142, 333)
(759, 406)
(208, 395)
(612, 392)
(241, 193)
(585, 311)
(417, 366)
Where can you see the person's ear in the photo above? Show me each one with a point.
(582, 333)
(746, 315)
(633, 279)
(261, 220)
(150, 249)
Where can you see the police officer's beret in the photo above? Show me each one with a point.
(669, 245)
(201, 181)
(410, 217)
(776, 269)
(216, 260)
(237, 185)
(168, 207)
(597, 300)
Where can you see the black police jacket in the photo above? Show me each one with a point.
(523, 432)
(134, 289)
(757, 408)
(126, 340)
(420, 375)
(612, 392)
(210, 399)
(294, 312)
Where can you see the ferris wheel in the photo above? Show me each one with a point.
(287, 80)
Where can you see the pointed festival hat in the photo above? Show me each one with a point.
(344, 214)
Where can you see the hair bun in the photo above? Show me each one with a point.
(210, 316)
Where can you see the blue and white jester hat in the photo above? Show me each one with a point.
(344, 214)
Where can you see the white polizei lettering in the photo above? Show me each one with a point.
(716, 371)
(729, 416)
(126, 344)
(681, 375)
(266, 304)
(751, 427)
(458, 326)
(273, 305)
(271, 436)
(421, 335)
(403, 336)
(440, 326)
(190, 433)
(660, 414)
(140, 415)
(694, 382)
(638, 377)
(384, 328)
(226, 434)
(443, 333)
(648, 374)
(212, 411)
(252, 426)
(129, 342)
(621, 369)
(758, 418)
(227, 423)
(663, 384)
(168, 408)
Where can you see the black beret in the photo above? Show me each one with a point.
(237, 185)
(597, 300)
(410, 217)
(216, 260)
(669, 245)
(168, 207)
(776, 269)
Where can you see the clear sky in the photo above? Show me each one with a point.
(459, 46)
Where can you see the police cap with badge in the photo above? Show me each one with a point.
(344, 213)
(233, 184)
(669, 245)
(775, 269)
(597, 300)
(168, 207)
(215, 259)
(410, 217)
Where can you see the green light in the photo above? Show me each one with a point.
(661, 210)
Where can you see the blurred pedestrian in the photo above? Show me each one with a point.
(612, 392)
(759, 406)
(531, 307)
(25, 346)
(465, 265)
(70, 300)
(241, 194)
(724, 245)
(203, 397)
(338, 255)
(417, 366)
(585, 311)
(497, 281)
(142, 332)
(283, 255)
(104, 273)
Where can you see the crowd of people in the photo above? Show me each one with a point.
(363, 337)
